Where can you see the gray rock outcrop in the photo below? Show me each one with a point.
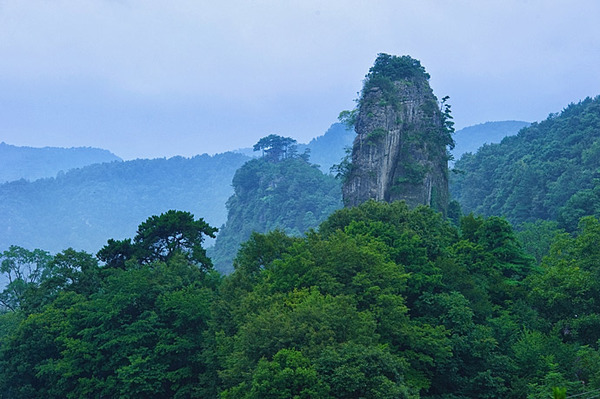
(400, 151)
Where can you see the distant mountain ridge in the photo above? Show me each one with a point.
(471, 138)
(329, 149)
(32, 163)
(325, 150)
(85, 207)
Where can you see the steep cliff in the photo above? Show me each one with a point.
(400, 151)
(289, 194)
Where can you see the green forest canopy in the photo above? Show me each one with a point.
(548, 171)
(380, 302)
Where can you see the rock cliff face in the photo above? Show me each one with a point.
(400, 151)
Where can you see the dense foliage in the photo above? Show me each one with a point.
(396, 68)
(380, 302)
(548, 171)
(274, 193)
(85, 207)
(160, 238)
(276, 148)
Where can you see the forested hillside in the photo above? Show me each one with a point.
(380, 302)
(374, 301)
(548, 171)
(276, 191)
(84, 207)
(35, 163)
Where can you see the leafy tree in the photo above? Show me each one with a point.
(275, 148)
(71, 271)
(396, 68)
(144, 333)
(585, 202)
(358, 371)
(348, 118)
(382, 301)
(23, 270)
(411, 290)
(566, 291)
(116, 252)
(159, 238)
(288, 375)
(537, 237)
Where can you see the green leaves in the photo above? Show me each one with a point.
(381, 302)
(396, 68)
(160, 238)
(289, 375)
(547, 171)
(24, 270)
(291, 195)
(275, 148)
(142, 334)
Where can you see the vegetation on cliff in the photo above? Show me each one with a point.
(403, 135)
(280, 190)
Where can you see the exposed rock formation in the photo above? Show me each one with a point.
(400, 151)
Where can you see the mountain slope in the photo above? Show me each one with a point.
(329, 149)
(290, 195)
(547, 171)
(31, 163)
(470, 138)
(85, 207)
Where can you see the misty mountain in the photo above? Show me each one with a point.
(471, 138)
(84, 207)
(329, 149)
(325, 150)
(31, 163)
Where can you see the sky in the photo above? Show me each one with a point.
(150, 79)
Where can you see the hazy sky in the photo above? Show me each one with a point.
(147, 78)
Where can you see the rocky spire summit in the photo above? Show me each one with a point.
(400, 151)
